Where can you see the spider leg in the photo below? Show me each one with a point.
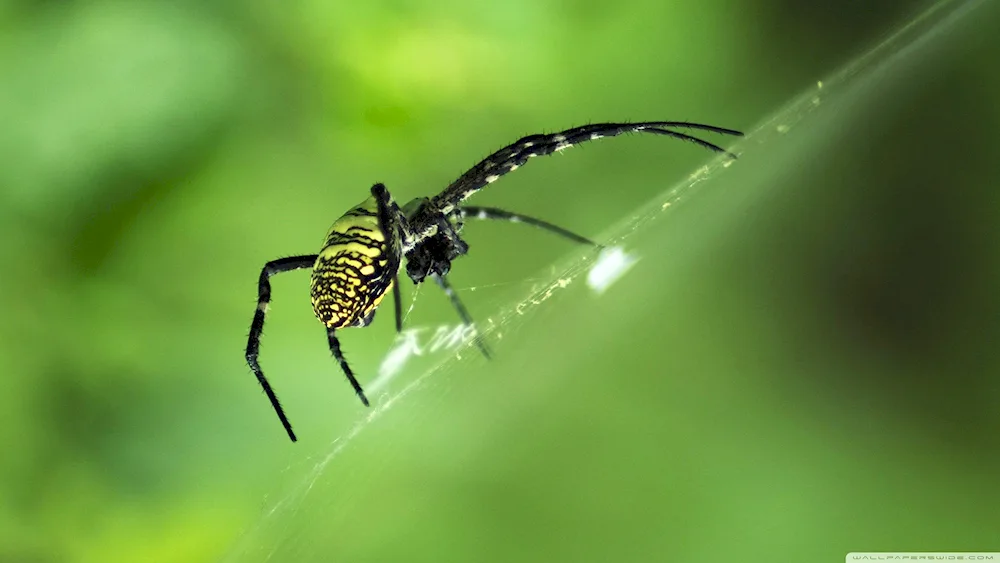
(515, 155)
(462, 312)
(492, 213)
(398, 302)
(396, 228)
(257, 326)
(339, 356)
(391, 217)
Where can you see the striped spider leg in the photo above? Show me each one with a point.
(436, 222)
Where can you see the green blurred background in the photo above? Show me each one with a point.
(803, 363)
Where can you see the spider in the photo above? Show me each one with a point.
(360, 259)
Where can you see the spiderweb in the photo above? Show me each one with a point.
(282, 534)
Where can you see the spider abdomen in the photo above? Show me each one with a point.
(353, 271)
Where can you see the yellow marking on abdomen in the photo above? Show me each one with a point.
(351, 275)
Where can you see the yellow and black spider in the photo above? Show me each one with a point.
(360, 259)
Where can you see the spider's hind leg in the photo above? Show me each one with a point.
(463, 313)
(257, 326)
(339, 356)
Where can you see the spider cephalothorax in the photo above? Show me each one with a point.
(363, 251)
(432, 256)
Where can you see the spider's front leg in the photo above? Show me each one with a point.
(463, 313)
